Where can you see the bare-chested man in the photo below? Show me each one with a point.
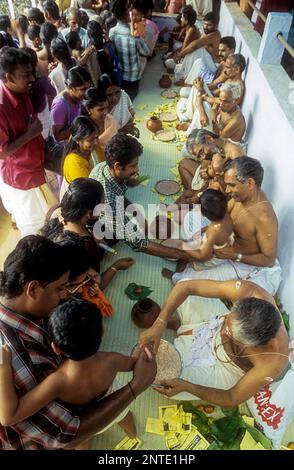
(206, 48)
(253, 255)
(225, 117)
(242, 352)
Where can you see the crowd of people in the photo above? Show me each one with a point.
(69, 149)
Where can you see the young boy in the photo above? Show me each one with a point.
(218, 234)
(75, 330)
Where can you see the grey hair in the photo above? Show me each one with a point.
(246, 167)
(256, 322)
(234, 88)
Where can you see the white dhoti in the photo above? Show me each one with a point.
(269, 278)
(29, 207)
(182, 69)
(204, 359)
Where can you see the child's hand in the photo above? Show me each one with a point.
(5, 356)
(123, 264)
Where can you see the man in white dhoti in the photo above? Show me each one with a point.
(226, 359)
(253, 254)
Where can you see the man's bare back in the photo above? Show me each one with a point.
(89, 379)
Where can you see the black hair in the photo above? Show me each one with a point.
(52, 8)
(74, 248)
(211, 17)
(119, 9)
(34, 14)
(81, 128)
(11, 58)
(34, 32)
(110, 22)
(5, 23)
(189, 14)
(75, 326)
(84, 19)
(77, 76)
(34, 259)
(95, 33)
(105, 81)
(141, 6)
(72, 38)
(123, 149)
(23, 22)
(246, 168)
(93, 97)
(229, 41)
(48, 32)
(6, 40)
(213, 205)
(33, 56)
(257, 321)
(60, 52)
(240, 61)
(82, 195)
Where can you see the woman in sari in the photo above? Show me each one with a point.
(96, 107)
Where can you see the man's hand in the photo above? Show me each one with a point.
(198, 83)
(204, 120)
(5, 356)
(35, 127)
(226, 253)
(151, 337)
(144, 372)
(170, 388)
(123, 264)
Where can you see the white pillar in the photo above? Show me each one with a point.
(271, 50)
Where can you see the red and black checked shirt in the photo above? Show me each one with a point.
(32, 360)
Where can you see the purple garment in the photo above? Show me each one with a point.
(63, 112)
(41, 90)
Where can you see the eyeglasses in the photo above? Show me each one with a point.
(76, 288)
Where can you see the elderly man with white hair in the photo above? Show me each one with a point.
(221, 115)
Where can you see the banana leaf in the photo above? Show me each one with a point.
(136, 292)
(226, 430)
(199, 419)
(259, 437)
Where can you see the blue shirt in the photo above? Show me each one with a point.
(128, 51)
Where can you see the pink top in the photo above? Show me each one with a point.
(24, 168)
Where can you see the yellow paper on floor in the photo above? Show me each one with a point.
(141, 106)
(154, 426)
(248, 420)
(284, 448)
(128, 444)
(174, 171)
(172, 441)
(259, 446)
(248, 443)
(193, 441)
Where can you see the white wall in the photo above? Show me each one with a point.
(270, 136)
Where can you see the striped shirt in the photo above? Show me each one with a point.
(32, 360)
(117, 222)
(128, 50)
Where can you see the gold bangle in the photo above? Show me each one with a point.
(114, 269)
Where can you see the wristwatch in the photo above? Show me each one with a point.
(239, 257)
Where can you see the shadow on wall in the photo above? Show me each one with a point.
(250, 121)
(269, 185)
(286, 227)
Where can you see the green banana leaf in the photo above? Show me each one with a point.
(136, 292)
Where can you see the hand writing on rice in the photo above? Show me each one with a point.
(151, 337)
